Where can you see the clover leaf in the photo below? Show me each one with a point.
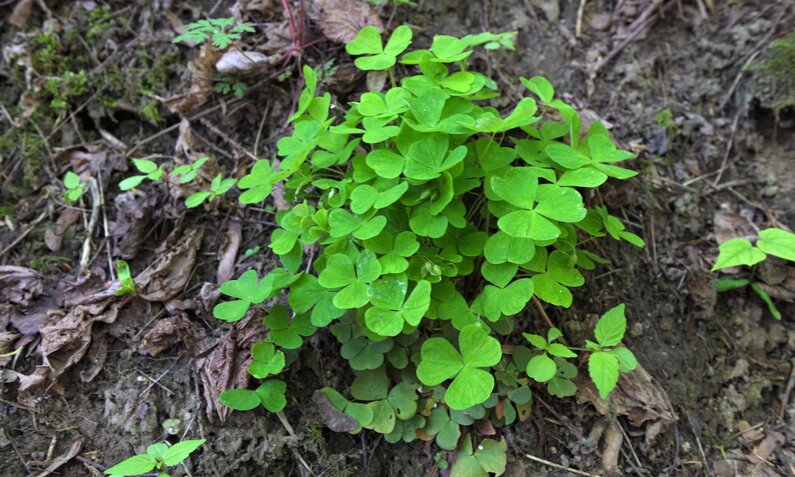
(440, 361)
(394, 250)
(353, 279)
(489, 457)
(258, 184)
(541, 367)
(363, 353)
(362, 227)
(445, 430)
(560, 273)
(249, 290)
(368, 42)
(269, 394)
(266, 360)
(392, 309)
(307, 293)
(286, 332)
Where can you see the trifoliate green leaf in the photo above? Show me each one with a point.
(341, 273)
(490, 457)
(266, 360)
(285, 331)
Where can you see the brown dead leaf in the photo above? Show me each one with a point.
(761, 452)
(613, 438)
(19, 284)
(202, 71)
(170, 331)
(333, 418)
(134, 210)
(729, 225)
(97, 354)
(62, 459)
(54, 236)
(21, 13)
(637, 396)
(341, 20)
(65, 339)
(280, 39)
(168, 276)
(222, 367)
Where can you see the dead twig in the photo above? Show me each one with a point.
(559, 467)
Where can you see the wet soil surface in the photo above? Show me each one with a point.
(711, 148)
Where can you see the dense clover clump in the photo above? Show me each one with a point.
(435, 220)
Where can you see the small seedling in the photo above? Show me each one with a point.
(225, 84)
(607, 357)
(218, 187)
(740, 251)
(220, 31)
(148, 169)
(158, 457)
(127, 284)
(188, 172)
(74, 187)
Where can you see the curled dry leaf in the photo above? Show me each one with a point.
(134, 210)
(53, 237)
(613, 438)
(333, 418)
(729, 225)
(341, 20)
(222, 367)
(637, 396)
(65, 339)
(280, 39)
(202, 71)
(21, 13)
(19, 284)
(169, 332)
(168, 276)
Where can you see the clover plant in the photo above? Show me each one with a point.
(74, 187)
(740, 251)
(434, 220)
(158, 456)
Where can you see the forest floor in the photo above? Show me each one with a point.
(87, 85)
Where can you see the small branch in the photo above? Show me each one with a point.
(559, 467)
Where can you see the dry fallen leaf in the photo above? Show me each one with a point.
(170, 331)
(168, 276)
(202, 72)
(229, 250)
(134, 210)
(729, 225)
(54, 236)
(637, 396)
(66, 338)
(223, 367)
(341, 20)
(19, 284)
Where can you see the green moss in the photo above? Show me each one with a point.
(774, 75)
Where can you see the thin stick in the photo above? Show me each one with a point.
(543, 312)
(729, 146)
(787, 391)
(24, 233)
(580, 12)
(560, 467)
